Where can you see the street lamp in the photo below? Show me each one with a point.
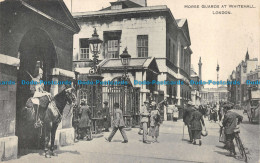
(95, 48)
(125, 60)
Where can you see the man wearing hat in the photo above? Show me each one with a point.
(144, 112)
(230, 122)
(106, 116)
(118, 123)
(187, 117)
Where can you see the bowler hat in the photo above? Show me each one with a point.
(116, 105)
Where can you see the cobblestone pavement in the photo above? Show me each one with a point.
(171, 147)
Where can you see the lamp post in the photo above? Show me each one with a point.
(125, 60)
(217, 69)
(94, 91)
(95, 48)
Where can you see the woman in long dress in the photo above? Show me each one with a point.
(196, 126)
(85, 122)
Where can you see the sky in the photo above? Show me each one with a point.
(216, 38)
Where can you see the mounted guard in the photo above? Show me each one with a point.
(37, 91)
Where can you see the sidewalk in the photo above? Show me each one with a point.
(171, 148)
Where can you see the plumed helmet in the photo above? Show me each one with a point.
(38, 69)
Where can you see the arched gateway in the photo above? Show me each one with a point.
(35, 46)
(32, 31)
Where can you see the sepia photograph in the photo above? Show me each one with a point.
(129, 81)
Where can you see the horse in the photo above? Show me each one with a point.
(48, 116)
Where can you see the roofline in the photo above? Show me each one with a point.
(158, 8)
(48, 17)
(120, 11)
(72, 20)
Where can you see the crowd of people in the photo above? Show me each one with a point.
(150, 120)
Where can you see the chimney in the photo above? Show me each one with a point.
(140, 2)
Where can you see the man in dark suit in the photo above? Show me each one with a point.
(106, 117)
(187, 117)
(118, 123)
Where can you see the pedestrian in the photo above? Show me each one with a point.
(187, 117)
(118, 124)
(145, 114)
(106, 117)
(196, 124)
(85, 122)
(154, 122)
(230, 122)
(75, 121)
(215, 114)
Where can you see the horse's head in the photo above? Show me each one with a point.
(70, 95)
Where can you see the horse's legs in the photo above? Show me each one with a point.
(47, 129)
(53, 133)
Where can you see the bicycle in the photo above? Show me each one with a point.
(240, 145)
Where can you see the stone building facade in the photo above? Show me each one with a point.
(238, 92)
(214, 95)
(146, 31)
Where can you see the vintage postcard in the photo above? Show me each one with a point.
(129, 81)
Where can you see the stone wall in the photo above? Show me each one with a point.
(8, 140)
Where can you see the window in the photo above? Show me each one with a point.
(112, 48)
(84, 49)
(116, 7)
(182, 57)
(174, 57)
(142, 45)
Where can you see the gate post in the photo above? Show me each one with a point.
(94, 98)
(65, 132)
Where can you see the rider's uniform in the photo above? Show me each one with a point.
(38, 90)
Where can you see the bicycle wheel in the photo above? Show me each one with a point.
(241, 147)
(238, 145)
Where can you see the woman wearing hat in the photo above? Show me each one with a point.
(85, 121)
(196, 123)
(154, 122)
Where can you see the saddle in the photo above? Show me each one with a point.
(30, 113)
(52, 113)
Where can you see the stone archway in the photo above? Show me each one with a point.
(35, 46)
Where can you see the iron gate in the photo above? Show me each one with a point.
(128, 99)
